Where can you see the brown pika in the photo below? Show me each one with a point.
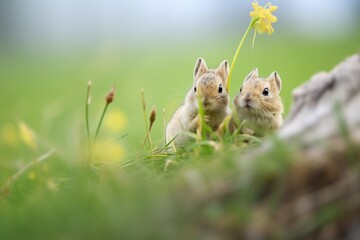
(259, 103)
(210, 87)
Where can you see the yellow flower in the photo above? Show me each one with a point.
(264, 17)
(261, 21)
(115, 120)
(107, 151)
(27, 135)
(51, 184)
(10, 135)
(32, 175)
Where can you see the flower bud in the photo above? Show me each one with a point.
(152, 116)
(110, 96)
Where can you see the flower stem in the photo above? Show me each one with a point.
(144, 109)
(87, 121)
(200, 130)
(14, 177)
(238, 51)
(100, 122)
(87, 103)
(164, 118)
(147, 137)
(150, 141)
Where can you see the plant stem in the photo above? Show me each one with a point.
(100, 122)
(200, 129)
(87, 121)
(14, 177)
(145, 120)
(150, 141)
(87, 103)
(144, 109)
(238, 51)
(164, 115)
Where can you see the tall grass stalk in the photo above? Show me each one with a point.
(164, 118)
(151, 121)
(147, 137)
(199, 130)
(100, 121)
(14, 177)
(87, 104)
(109, 99)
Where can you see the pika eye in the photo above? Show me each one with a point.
(194, 89)
(220, 88)
(265, 92)
(240, 89)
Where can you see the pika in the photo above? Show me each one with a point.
(210, 87)
(259, 103)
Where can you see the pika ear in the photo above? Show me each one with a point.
(253, 74)
(276, 77)
(223, 71)
(200, 68)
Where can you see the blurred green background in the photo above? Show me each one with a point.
(47, 58)
(47, 91)
(49, 51)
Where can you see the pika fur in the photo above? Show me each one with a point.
(209, 86)
(259, 103)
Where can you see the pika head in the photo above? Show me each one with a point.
(259, 102)
(210, 86)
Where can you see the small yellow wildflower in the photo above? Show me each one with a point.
(32, 175)
(27, 135)
(51, 184)
(9, 135)
(115, 120)
(107, 151)
(264, 17)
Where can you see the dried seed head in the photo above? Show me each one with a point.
(152, 116)
(110, 96)
(143, 99)
(89, 92)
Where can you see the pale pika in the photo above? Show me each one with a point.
(259, 103)
(209, 86)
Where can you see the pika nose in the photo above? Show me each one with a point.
(247, 97)
(205, 100)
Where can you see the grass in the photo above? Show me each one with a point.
(195, 193)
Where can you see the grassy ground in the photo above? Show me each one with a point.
(127, 196)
